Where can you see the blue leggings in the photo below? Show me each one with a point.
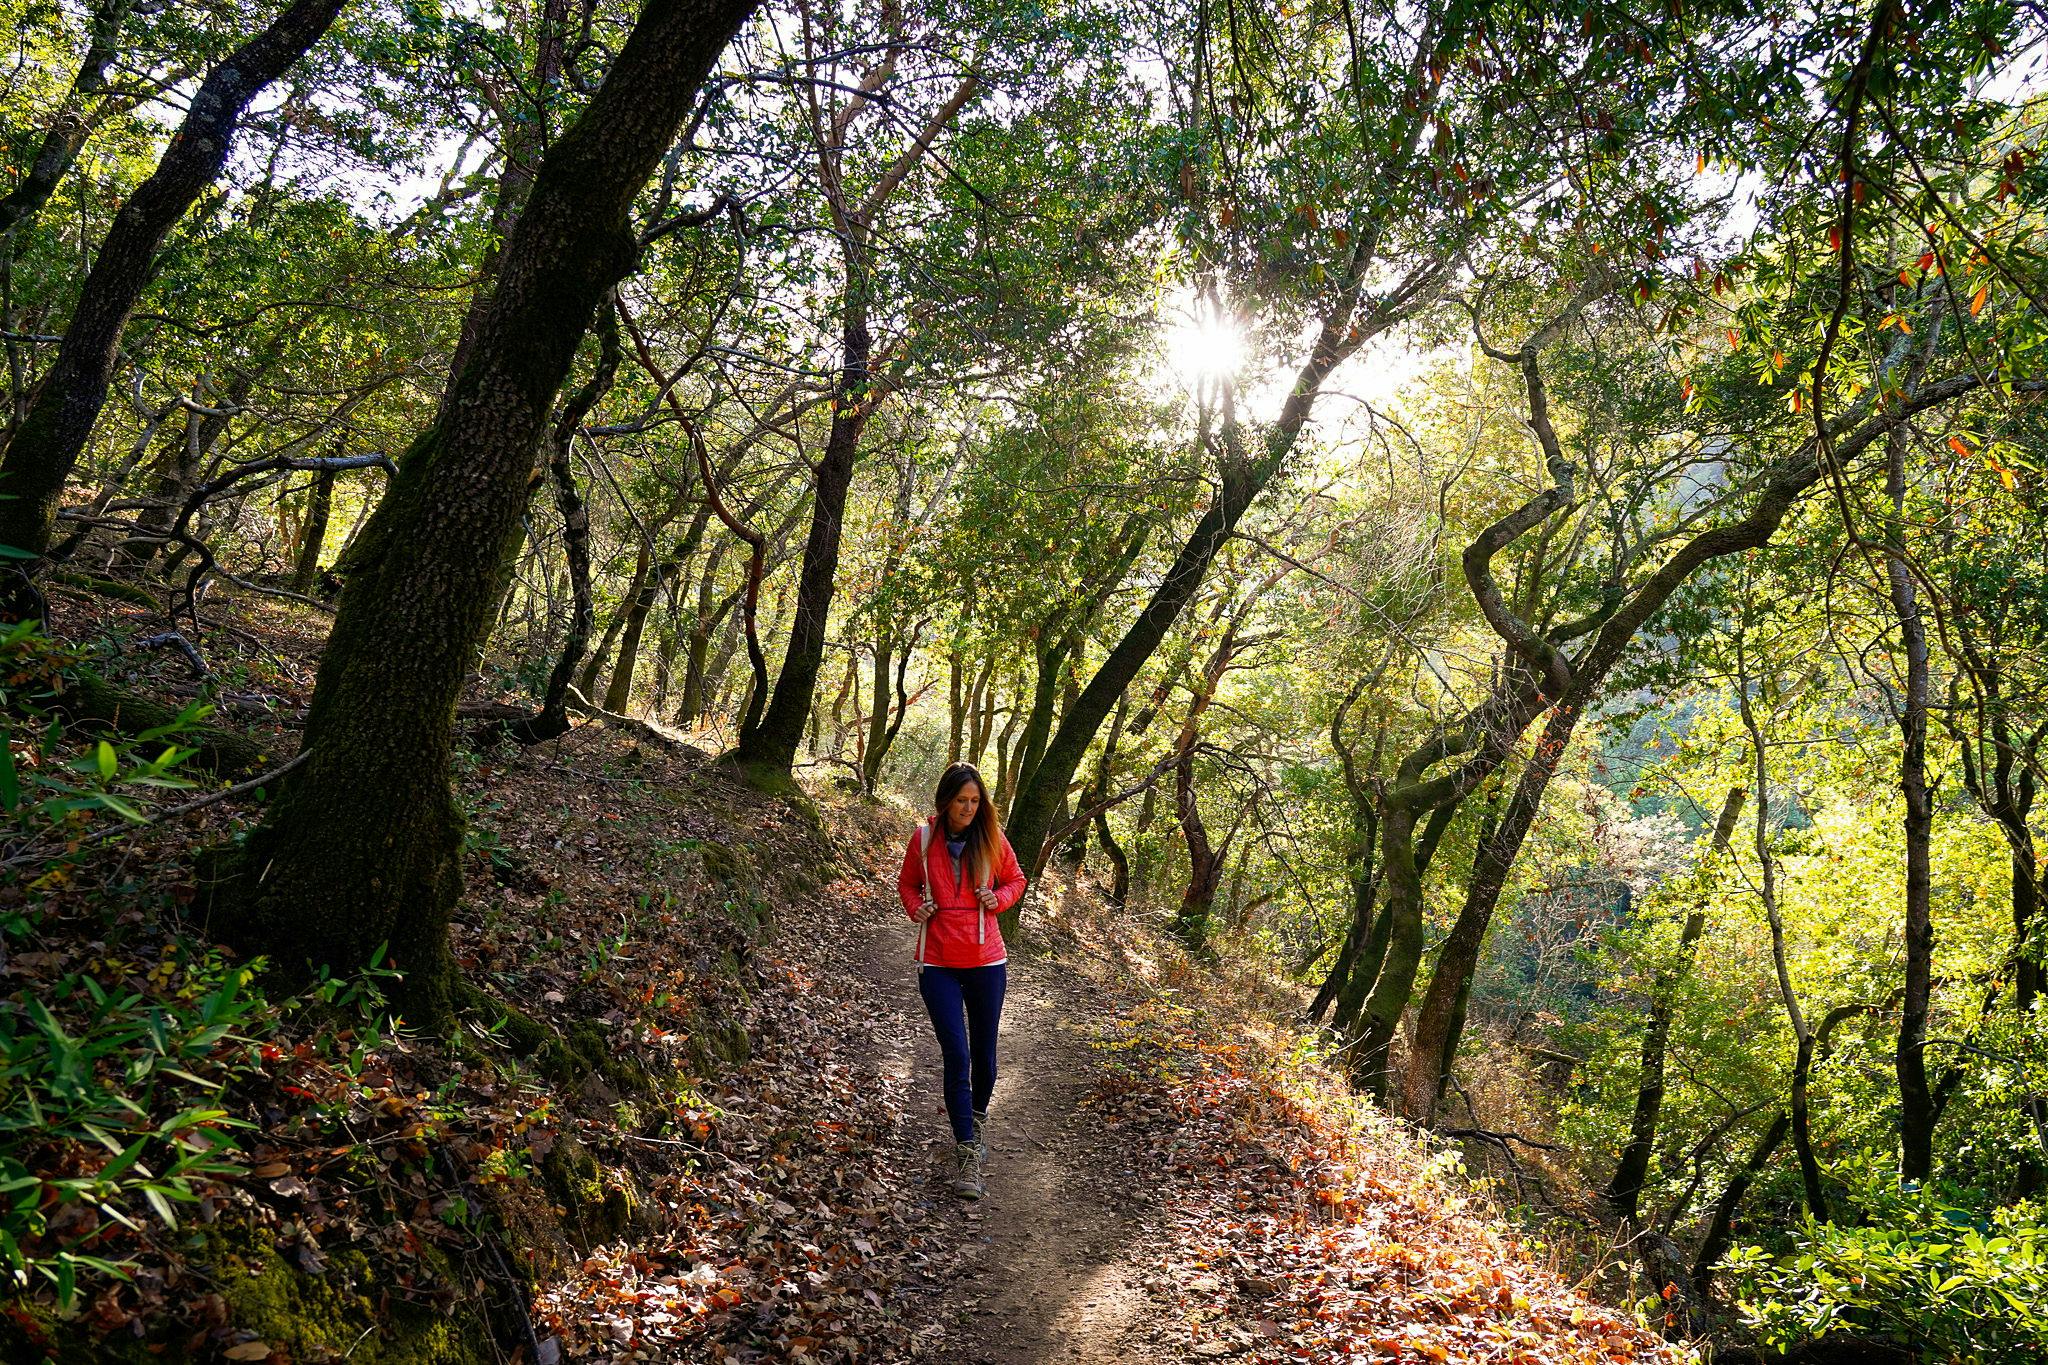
(966, 1005)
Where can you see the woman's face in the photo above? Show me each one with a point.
(960, 811)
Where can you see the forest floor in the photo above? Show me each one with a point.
(711, 1130)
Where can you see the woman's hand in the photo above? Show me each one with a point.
(926, 911)
(987, 898)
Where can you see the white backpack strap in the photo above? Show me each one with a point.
(988, 881)
(924, 853)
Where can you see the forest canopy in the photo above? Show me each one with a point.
(1519, 525)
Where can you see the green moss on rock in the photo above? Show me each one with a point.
(594, 1205)
(724, 862)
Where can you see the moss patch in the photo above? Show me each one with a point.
(348, 1311)
(594, 1205)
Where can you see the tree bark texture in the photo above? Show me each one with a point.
(362, 846)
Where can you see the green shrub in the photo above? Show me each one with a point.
(1946, 1281)
(108, 1111)
(55, 784)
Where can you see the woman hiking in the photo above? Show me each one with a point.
(959, 873)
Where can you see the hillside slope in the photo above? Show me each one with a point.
(690, 1114)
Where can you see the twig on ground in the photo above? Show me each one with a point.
(184, 646)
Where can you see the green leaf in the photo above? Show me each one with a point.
(122, 808)
(162, 1205)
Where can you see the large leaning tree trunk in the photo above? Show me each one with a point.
(362, 846)
(43, 449)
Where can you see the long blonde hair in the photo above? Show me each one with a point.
(985, 837)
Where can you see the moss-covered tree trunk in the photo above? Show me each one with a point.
(43, 449)
(1435, 1033)
(1362, 874)
(1394, 982)
(362, 846)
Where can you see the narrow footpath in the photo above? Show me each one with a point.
(1050, 1258)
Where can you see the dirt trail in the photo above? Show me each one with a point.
(1053, 1254)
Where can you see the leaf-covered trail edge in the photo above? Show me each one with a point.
(1165, 1182)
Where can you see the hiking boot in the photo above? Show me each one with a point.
(967, 1181)
(981, 1137)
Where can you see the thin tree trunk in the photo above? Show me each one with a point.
(73, 123)
(1394, 981)
(1434, 1038)
(1098, 792)
(553, 717)
(174, 476)
(618, 694)
(956, 707)
(1721, 1227)
(1243, 478)
(1205, 862)
(697, 653)
(1917, 1109)
(319, 509)
(666, 642)
(981, 707)
(524, 143)
(643, 565)
(768, 748)
(768, 744)
(1802, 1036)
(1625, 1189)
(1361, 866)
(1006, 767)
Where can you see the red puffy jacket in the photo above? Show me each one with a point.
(961, 934)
